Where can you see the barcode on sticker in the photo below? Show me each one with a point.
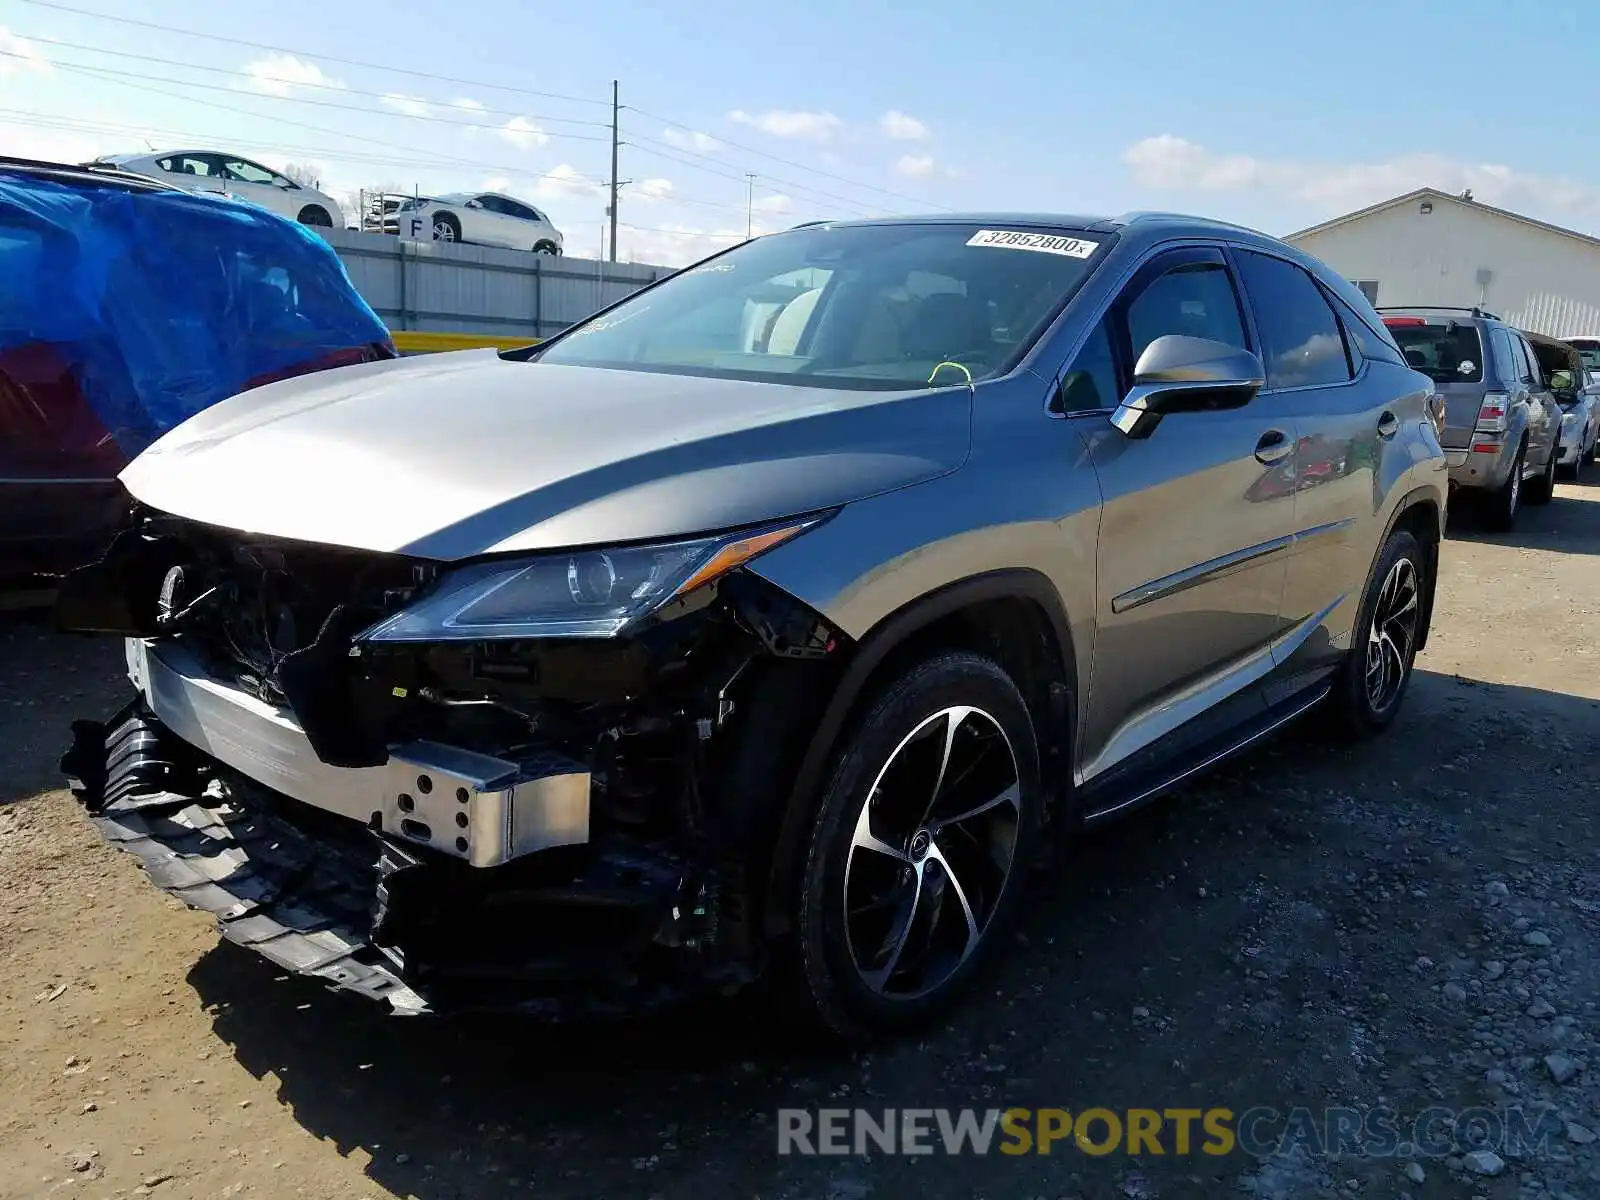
(1045, 243)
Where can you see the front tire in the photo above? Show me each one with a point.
(446, 228)
(547, 248)
(317, 216)
(1370, 685)
(920, 846)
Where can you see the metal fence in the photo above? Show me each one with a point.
(451, 288)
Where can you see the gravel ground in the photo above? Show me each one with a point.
(1401, 925)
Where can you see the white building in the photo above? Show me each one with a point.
(1428, 247)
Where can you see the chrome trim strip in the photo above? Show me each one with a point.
(1316, 699)
(1177, 710)
(1316, 531)
(1178, 581)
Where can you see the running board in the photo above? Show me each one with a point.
(1202, 757)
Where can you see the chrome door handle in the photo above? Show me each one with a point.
(1273, 447)
(1388, 425)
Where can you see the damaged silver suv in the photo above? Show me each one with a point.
(771, 623)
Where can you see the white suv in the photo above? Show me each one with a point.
(483, 218)
(216, 171)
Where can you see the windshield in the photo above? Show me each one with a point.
(867, 306)
(1445, 352)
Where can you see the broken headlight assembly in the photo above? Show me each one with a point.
(586, 593)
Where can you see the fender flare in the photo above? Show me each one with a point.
(1415, 498)
(873, 648)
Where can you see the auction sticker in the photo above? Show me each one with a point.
(1044, 243)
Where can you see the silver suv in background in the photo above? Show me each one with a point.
(774, 620)
(1502, 423)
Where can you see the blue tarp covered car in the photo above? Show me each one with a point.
(127, 306)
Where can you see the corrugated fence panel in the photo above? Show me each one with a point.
(444, 288)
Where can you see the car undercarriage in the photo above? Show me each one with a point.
(542, 825)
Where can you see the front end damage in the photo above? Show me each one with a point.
(545, 825)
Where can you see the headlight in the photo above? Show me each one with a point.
(1568, 421)
(585, 593)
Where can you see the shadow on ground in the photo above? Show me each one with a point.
(1569, 524)
(45, 683)
(1132, 983)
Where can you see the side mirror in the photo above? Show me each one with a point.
(1186, 374)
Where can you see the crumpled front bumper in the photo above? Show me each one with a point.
(273, 887)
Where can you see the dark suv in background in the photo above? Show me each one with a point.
(1502, 422)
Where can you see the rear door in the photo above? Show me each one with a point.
(1544, 413)
(1348, 413)
(1453, 354)
(500, 228)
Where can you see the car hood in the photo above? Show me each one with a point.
(452, 455)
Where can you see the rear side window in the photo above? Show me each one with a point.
(1444, 351)
(1506, 368)
(1301, 340)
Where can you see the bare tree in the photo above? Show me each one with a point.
(302, 173)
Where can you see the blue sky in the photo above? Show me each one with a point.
(1277, 115)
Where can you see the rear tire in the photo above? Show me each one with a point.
(1500, 511)
(1543, 489)
(913, 873)
(1372, 681)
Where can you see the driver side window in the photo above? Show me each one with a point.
(1196, 300)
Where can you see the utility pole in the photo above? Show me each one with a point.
(749, 205)
(612, 211)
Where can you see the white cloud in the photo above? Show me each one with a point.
(280, 74)
(693, 139)
(915, 166)
(676, 245)
(566, 180)
(898, 125)
(412, 106)
(19, 56)
(467, 103)
(775, 203)
(652, 189)
(523, 133)
(783, 123)
(1171, 162)
(496, 183)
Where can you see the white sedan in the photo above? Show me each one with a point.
(484, 219)
(216, 171)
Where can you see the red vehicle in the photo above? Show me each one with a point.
(128, 307)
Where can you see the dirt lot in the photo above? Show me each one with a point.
(1411, 923)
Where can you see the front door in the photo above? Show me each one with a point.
(1196, 523)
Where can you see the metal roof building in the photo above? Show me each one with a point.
(1429, 247)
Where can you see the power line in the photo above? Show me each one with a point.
(470, 83)
(327, 87)
(788, 162)
(32, 119)
(113, 75)
(854, 207)
(343, 62)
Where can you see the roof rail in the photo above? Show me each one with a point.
(1474, 309)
